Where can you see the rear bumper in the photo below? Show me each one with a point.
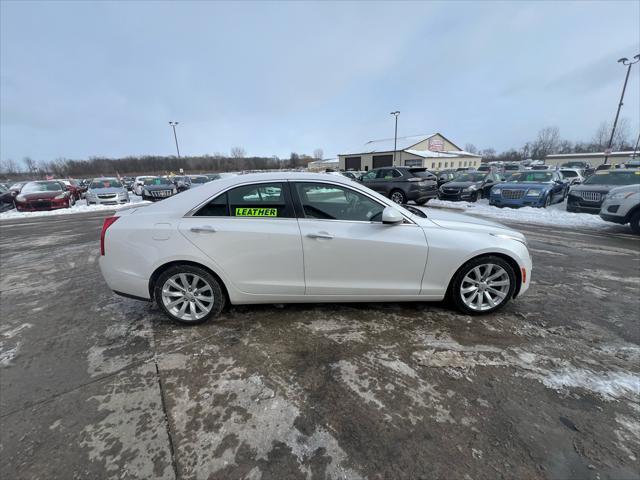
(124, 283)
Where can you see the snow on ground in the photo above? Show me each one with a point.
(553, 215)
(80, 207)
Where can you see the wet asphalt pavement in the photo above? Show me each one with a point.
(97, 386)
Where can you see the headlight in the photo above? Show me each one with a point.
(60, 197)
(497, 191)
(534, 193)
(21, 198)
(472, 188)
(620, 195)
(506, 236)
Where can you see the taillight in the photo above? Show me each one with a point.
(107, 223)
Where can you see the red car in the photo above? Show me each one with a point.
(73, 187)
(45, 195)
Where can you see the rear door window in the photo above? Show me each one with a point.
(332, 202)
(264, 200)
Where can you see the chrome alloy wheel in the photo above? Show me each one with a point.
(485, 287)
(397, 197)
(187, 296)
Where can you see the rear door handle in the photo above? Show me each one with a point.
(204, 229)
(324, 235)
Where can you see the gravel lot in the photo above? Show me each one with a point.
(97, 386)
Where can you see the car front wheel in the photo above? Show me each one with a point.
(483, 285)
(188, 294)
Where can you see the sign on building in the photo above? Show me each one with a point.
(436, 145)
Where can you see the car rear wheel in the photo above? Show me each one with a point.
(483, 285)
(635, 223)
(189, 294)
(398, 196)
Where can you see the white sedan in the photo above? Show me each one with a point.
(305, 237)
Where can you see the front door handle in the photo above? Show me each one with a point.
(324, 235)
(204, 229)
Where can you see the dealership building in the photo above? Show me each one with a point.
(433, 151)
(594, 159)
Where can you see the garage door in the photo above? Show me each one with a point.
(352, 163)
(382, 161)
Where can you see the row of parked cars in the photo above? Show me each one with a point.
(29, 196)
(595, 191)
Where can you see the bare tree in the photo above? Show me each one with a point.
(547, 142)
(238, 152)
(10, 166)
(318, 154)
(621, 137)
(30, 163)
(471, 148)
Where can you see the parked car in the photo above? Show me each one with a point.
(106, 191)
(402, 184)
(484, 168)
(469, 186)
(444, 176)
(622, 205)
(530, 188)
(305, 238)
(633, 163)
(541, 167)
(73, 187)
(16, 187)
(509, 168)
(182, 182)
(127, 182)
(44, 195)
(158, 188)
(588, 197)
(580, 165)
(138, 183)
(6, 199)
(353, 175)
(197, 180)
(572, 175)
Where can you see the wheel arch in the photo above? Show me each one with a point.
(165, 266)
(510, 260)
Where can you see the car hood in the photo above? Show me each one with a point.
(461, 184)
(459, 221)
(41, 195)
(593, 188)
(106, 191)
(158, 187)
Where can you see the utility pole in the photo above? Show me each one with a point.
(175, 137)
(625, 61)
(395, 137)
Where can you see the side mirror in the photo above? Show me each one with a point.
(391, 216)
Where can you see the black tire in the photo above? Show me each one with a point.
(634, 222)
(547, 201)
(476, 196)
(219, 298)
(456, 296)
(398, 196)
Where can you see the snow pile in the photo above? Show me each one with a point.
(80, 207)
(553, 215)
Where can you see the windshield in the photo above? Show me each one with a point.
(614, 178)
(470, 177)
(199, 179)
(533, 177)
(157, 181)
(569, 173)
(34, 187)
(107, 183)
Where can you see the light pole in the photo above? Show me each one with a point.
(175, 137)
(625, 61)
(395, 138)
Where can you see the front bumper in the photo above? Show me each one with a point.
(107, 201)
(499, 201)
(457, 197)
(577, 204)
(42, 206)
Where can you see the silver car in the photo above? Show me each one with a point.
(622, 205)
(106, 191)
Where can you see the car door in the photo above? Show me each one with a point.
(251, 233)
(349, 251)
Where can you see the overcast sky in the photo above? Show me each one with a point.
(83, 79)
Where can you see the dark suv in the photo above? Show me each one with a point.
(589, 196)
(402, 184)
